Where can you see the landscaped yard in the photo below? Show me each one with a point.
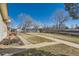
(63, 37)
(35, 39)
(52, 50)
(34, 52)
(60, 49)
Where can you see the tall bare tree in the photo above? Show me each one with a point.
(60, 17)
(26, 21)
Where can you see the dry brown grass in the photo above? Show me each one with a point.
(61, 49)
(35, 39)
(63, 37)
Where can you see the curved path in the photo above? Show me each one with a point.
(23, 40)
(30, 45)
(57, 41)
(75, 45)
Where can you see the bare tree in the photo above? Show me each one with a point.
(60, 17)
(37, 25)
(26, 21)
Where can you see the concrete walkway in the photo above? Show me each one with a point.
(24, 40)
(38, 45)
(30, 45)
(25, 47)
(58, 40)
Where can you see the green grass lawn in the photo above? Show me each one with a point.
(70, 38)
(35, 39)
(61, 49)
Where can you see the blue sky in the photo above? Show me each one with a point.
(39, 12)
